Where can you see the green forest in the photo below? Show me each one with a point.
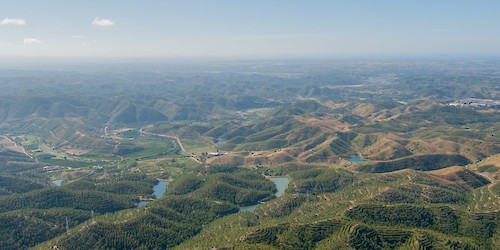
(319, 154)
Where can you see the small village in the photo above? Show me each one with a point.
(475, 102)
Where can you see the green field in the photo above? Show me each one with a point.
(197, 147)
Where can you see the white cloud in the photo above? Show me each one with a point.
(13, 21)
(30, 41)
(102, 22)
(77, 37)
(2, 43)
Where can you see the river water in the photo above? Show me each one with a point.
(281, 185)
(158, 191)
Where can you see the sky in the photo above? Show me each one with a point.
(244, 28)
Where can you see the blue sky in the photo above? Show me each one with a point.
(258, 28)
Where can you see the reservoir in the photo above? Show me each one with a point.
(356, 158)
(409, 132)
(281, 185)
(57, 182)
(158, 191)
(220, 142)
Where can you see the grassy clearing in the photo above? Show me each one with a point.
(166, 167)
(197, 147)
(488, 168)
(30, 142)
(64, 161)
(131, 133)
(154, 147)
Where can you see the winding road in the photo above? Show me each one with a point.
(17, 146)
(171, 137)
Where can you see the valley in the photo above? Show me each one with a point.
(288, 155)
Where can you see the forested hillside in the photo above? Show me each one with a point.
(317, 154)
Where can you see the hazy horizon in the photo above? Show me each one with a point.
(256, 29)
